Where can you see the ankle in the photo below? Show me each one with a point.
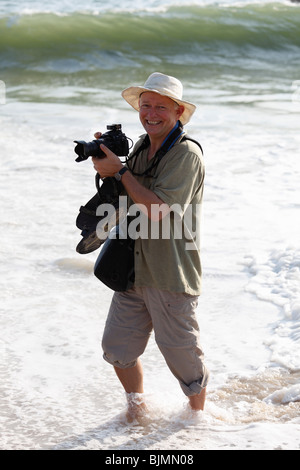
(197, 402)
(135, 399)
(136, 406)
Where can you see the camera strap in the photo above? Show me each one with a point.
(167, 144)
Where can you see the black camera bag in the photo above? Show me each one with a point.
(115, 263)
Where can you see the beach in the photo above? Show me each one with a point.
(62, 69)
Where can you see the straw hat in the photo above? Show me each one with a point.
(163, 85)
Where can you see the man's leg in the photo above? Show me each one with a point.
(125, 337)
(197, 402)
(132, 381)
(177, 336)
(131, 378)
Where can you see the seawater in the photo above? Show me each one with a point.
(64, 66)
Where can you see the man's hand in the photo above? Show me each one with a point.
(109, 165)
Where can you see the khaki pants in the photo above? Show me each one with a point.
(132, 317)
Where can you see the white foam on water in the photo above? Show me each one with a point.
(277, 281)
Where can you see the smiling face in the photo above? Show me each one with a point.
(158, 114)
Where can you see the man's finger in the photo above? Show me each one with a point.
(106, 150)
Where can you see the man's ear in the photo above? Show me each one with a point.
(180, 111)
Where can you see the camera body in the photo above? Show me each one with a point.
(114, 139)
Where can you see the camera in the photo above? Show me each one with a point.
(114, 139)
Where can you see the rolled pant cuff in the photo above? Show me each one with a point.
(195, 388)
(119, 364)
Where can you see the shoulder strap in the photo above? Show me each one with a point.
(145, 143)
(186, 137)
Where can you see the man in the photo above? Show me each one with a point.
(167, 271)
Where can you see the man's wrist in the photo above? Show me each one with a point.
(120, 173)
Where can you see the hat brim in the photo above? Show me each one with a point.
(132, 95)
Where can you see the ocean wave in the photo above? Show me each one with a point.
(201, 45)
(96, 7)
(106, 39)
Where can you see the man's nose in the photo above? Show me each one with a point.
(152, 112)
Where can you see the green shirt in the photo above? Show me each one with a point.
(167, 253)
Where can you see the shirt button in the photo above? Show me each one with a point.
(137, 252)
